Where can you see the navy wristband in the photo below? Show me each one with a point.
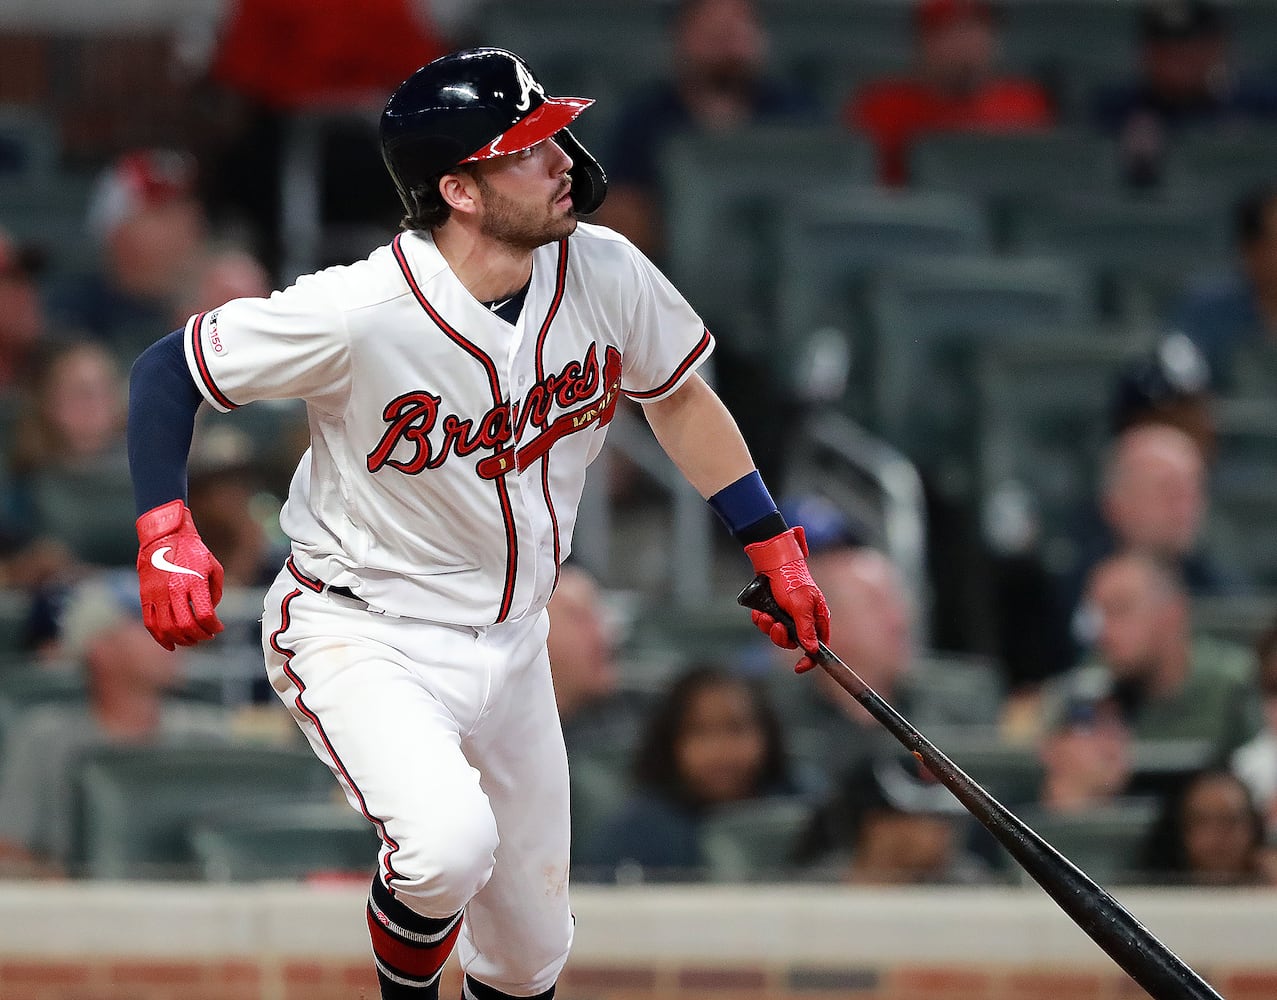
(744, 503)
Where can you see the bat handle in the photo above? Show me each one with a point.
(757, 596)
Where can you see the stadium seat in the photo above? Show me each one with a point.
(1141, 250)
(1216, 168)
(15, 609)
(137, 805)
(724, 197)
(1043, 409)
(1104, 841)
(1011, 773)
(1014, 168)
(1242, 527)
(830, 242)
(754, 841)
(24, 685)
(944, 689)
(29, 147)
(286, 840)
(929, 319)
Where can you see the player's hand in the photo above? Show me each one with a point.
(783, 560)
(179, 579)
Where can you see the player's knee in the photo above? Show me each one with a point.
(450, 859)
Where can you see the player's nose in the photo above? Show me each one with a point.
(561, 162)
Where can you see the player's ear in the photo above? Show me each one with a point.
(459, 191)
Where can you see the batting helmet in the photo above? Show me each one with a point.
(474, 105)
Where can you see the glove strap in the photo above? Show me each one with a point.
(162, 520)
(789, 546)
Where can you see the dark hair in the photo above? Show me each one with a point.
(1250, 224)
(656, 763)
(1164, 852)
(430, 211)
(1265, 647)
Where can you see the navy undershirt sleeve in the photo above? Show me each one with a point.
(163, 399)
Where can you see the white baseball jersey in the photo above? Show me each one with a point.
(448, 448)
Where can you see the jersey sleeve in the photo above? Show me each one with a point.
(292, 345)
(667, 339)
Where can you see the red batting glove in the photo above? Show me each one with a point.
(783, 560)
(179, 579)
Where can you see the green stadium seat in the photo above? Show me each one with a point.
(1008, 169)
(949, 690)
(832, 239)
(1011, 773)
(754, 841)
(1242, 527)
(24, 685)
(1141, 250)
(1216, 168)
(1044, 419)
(1104, 841)
(138, 805)
(724, 196)
(29, 145)
(286, 840)
(930, 318)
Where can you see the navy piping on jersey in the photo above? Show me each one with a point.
(197, 351)
(679, 372)
(560, 283)
(503, 493)
(285, 620)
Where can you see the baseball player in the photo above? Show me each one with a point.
(458, 382)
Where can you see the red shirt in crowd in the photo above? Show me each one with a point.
(896, 112)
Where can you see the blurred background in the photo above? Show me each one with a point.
(994, 287)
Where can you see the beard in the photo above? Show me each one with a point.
(520, 225)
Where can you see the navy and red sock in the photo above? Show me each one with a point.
(409, 950)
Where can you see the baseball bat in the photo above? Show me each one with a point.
(1162, 973)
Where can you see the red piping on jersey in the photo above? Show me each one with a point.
(197, 351)
(560, 283)
(476, 352)
(284, 621)
(679, 372)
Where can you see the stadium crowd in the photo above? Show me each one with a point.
(1095, 637)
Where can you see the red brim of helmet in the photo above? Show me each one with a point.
(556, 114)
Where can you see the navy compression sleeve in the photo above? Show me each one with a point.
(163, 399)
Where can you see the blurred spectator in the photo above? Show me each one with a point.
(1169, 685)
(1169, 385)
(1256, 761)
(340, 58)
(22, 318)
(719, 83)
(595, 715)
(223, 274)
(71, 480)
(713, 740)
(128, 677)
(150, 228)
(1209, 834)
(889, 825)
(956, 86)
(1086, 753)
(1233, 319)
(1186, 81)
(1152, 498)
(224, 503)
(872, 623)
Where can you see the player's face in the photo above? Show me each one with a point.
(525, 198)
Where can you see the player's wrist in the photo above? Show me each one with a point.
(787, 547)
(748, 510)
(162, 520)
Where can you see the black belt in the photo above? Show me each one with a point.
(347, 593)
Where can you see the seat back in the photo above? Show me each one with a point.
(137, 805)
(754, 841)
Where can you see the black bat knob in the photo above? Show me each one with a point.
(757, 596)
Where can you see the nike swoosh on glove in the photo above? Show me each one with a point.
(782, 559)
(180, 581)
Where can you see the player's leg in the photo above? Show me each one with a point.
(518, 928)
(394, 743)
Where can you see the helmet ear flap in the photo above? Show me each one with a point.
(589, 182)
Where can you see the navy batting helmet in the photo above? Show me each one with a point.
(474, 105)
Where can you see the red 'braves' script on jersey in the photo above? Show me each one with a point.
(414, 416)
